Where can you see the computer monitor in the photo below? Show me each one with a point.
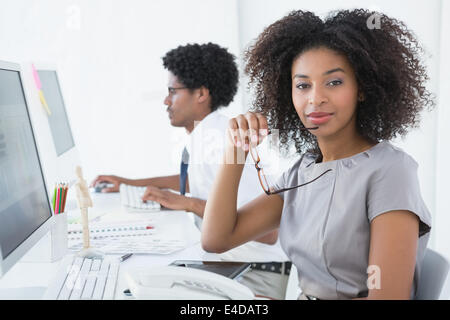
(54, 136)
(25, 211)
(58, 120)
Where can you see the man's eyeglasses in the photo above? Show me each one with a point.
(173, 90)
(263, 179)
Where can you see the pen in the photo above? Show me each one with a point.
(58, 195)
(66, 190)
(61, 200)
(125, 257)
(54, 199)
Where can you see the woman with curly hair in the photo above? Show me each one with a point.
(350, 214)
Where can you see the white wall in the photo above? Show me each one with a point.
(424, 19)
(442, 174)
(109, 54)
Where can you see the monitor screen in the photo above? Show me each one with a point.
(59, 123)
(24, 204)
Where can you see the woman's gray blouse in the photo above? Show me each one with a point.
(325, 225)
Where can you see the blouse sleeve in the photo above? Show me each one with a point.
(288, 177)
(280, 183)
(396, 187)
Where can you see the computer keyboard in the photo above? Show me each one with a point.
(131, 198)
(84, 279)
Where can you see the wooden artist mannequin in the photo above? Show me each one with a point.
(84, 202)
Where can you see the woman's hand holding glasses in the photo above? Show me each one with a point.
(246, 132)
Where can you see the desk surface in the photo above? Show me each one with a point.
(107, 207)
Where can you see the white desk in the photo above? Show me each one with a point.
(26, 274)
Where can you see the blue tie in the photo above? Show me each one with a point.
(183, 171)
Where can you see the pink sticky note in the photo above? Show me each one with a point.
(36, 78)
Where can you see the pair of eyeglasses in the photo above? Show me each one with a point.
(173, 90)
(263, 179)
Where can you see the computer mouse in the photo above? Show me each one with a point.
(102, 185)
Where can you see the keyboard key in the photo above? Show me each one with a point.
(78, 288)
(104, 268)
(86, 267)
(89, 287)
(111, 282)
(96, 265)
(69, 284)
(99, 287)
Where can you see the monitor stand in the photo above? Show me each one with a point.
(25, 293)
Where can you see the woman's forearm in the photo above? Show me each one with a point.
(220, 214)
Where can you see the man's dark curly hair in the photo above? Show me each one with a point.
(386, 63)
(207, 65)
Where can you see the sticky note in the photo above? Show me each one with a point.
(37, 80)
(44, 102)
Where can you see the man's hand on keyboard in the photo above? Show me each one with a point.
(116, 181)
(166, 198)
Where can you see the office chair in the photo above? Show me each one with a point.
(434, 272)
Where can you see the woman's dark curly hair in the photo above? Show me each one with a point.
(207, 65)
(386, 63)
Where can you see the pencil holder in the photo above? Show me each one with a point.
(59, 238)
(53, 246)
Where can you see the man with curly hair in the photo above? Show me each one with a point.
(202, 79)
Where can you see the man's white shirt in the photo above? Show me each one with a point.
(206, 145)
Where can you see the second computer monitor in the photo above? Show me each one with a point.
(54, 135)
(58, 120)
